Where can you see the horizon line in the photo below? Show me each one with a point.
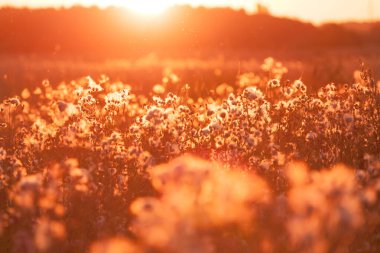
(245, 10)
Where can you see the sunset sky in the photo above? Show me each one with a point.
(311, 10)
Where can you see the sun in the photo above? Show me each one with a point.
(147, 7)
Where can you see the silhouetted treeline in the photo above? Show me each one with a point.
(114, 32)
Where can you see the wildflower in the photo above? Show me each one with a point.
(268, 64)
(114, 245)
(3, 154)
(274, 83)
(26, 191)
(171, 99)
(222, 115)
(46, 83)
(62, 106)
(300, 86)
(348, 118)
(159, 89)
(79, 91)
(252, 93)
(205, 131)
(118, 98)
(224, 89)
(93, 86)
(14, 101)
(311, 136)
(46, 232)
(287, 91)
(25, 94)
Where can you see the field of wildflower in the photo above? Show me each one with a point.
(258, 165)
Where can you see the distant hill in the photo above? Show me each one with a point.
(115, 32)
(360, 27)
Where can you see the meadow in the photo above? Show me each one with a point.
(254, 163)
(204, 72)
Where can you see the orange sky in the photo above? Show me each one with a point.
(312, 10)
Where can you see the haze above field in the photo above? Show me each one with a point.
(64, 44)
(308, 10)
(184, 31)
(68, 43)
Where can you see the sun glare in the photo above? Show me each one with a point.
(147, 7)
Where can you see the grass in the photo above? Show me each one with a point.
(260, 164)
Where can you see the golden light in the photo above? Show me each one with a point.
(147, 7)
